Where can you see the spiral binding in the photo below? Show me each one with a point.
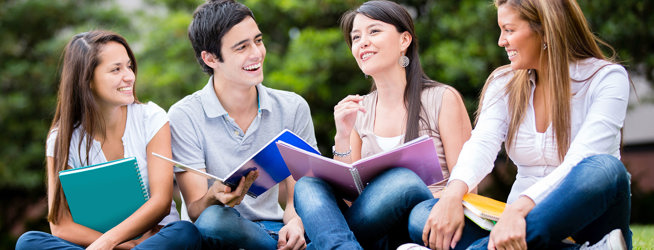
(357, 179)
(144, 189)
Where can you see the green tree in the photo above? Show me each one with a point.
(627, 26)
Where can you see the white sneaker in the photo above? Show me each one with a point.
(411, 246)
(612, 240)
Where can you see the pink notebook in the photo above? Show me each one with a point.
(418, 155)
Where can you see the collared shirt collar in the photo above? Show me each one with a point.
(213, 108)
(580, 72)
(264, 98)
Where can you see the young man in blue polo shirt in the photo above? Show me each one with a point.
(218, 127)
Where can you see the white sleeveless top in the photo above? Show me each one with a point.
(143, 122)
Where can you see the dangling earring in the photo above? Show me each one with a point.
(544, 46)
(404, 61)
(365, 75)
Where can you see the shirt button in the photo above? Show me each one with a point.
(236, 132)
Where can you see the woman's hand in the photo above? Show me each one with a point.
(444, 225)
(345, 114)
(510, 230)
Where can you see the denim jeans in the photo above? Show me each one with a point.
(377, 218)
(224, 228)
(591, 201)
(175, 235)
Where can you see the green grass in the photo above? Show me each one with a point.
(643, 236)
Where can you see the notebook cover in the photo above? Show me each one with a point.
(418, 155)
(103, 195)
(269, 162)
(302, 163)
(484, 207)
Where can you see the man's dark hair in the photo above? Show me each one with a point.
(211, 21)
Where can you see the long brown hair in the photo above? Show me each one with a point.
(416, 79)
(76, 105)
(564, 29)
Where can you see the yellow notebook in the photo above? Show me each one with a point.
(484, 211)
(483, 207)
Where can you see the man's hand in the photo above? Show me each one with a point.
(291, 236)
(224, 194)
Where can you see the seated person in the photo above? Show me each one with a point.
(403, 105)
(218, 127)
(558, 107)
(99, 119)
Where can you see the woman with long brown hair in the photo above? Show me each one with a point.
(98, 119)
(558, 107)
(403, 105)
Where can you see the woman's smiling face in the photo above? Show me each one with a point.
(522, 44)
(376, 45)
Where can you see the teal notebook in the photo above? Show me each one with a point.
(103, 195)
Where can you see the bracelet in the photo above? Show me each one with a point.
(339, 154)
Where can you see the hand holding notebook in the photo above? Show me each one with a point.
(210, 176)
(272, 168)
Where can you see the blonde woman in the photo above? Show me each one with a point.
(558, 107)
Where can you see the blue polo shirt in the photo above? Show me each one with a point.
(205, 137)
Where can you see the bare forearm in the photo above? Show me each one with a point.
(286, 189)
(522, 206)
(456, 189)
(75, 233)
(196, 208)
(290, 214)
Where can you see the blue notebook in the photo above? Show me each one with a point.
(103, 195)
(271, 165)
(268, 160)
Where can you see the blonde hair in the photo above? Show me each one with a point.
(564, 29)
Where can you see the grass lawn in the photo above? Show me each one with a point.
(643, 236)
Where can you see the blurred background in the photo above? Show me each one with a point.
(306, 54)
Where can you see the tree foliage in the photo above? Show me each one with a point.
(34, 33)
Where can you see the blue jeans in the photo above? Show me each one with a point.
(377, 218)
(224, 228)
(592, 200)
(175, 235)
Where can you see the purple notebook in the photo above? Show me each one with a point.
(418, 155)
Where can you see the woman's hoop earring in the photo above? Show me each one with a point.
(404, 61)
